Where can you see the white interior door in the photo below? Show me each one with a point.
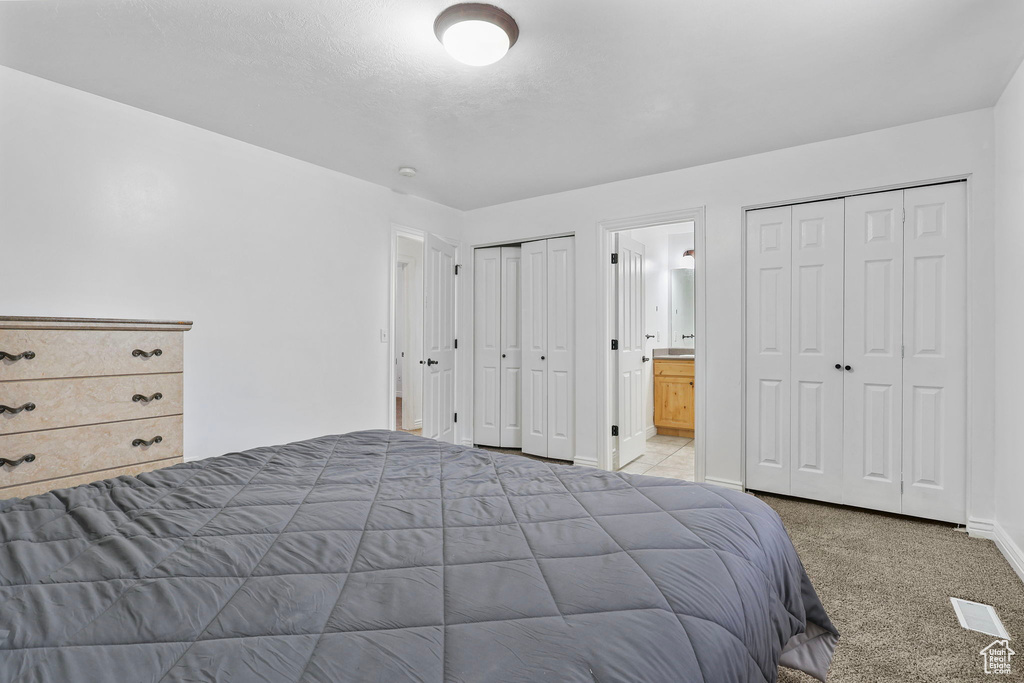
(873, 364)
(561, 348)
(439, 341)
(535, 335)
(768, 352)
(630, 358)
(487, 342)
(935, 343)
(816, 370)
(511, 361)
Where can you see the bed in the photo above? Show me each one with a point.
(383, 556)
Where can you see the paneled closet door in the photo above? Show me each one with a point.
(816, 407)
(535, 335)
(561, 348)
(935, 341)
(873, 388)
(768, 352)
(511, 361)
(487, 361)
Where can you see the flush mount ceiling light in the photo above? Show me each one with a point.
(475, 33)
(407, 171)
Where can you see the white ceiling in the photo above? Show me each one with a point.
(594, 91)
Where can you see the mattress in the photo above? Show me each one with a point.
(382, 556)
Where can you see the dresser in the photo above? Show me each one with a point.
(87, 399)
(673, 396)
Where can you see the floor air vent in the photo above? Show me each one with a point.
(979, 617)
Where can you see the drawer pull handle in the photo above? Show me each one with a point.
(143, 442)
(27, 355)
(30, 457)
(145, 354)
(146, 399)
(14, 411)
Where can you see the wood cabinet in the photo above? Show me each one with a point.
(673, 396)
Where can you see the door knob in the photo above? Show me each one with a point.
(644, 359)
(542, 357)
(848, 368)
(839, 366)
(431, 361)
(502, 355)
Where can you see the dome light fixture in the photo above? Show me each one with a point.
(475, 33)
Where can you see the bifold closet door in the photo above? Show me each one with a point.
(535, 335)
(873, 366)
(561, 348)
(511, 361)
(816, 365)
(934, 440)
(769, 353)
(487, 371)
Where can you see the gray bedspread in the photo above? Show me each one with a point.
(382, 556)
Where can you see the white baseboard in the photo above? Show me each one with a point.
(652, 431)
(725, 483)
(586, 462)
(981, 528)
(418, 424)
(1010, 550)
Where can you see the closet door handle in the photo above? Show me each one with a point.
(143, 442)
(28, 407)
(502, 355)
(542, 357)
(27, 355)
(839, 366)
(848, 368)
(145, 354)
(146, 399)
(28, 457)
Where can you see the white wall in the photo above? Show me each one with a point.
(923, 151)
(110, 211)
(1009, 322)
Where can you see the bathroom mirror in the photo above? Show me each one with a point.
(681, 303)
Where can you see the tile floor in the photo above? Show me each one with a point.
(665, 456)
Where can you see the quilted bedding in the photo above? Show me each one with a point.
(382, 556)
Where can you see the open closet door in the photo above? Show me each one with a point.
(630, 359)
(439, 341)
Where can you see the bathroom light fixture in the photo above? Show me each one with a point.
(475, 33)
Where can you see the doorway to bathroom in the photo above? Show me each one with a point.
(654, 360)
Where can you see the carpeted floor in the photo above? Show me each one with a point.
(886, 582)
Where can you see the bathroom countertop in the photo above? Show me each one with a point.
(673, 354)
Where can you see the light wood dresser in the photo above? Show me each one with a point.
(87, 399)
(673, 396)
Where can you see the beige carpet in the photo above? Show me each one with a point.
(886, 582)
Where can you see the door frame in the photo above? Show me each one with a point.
(981, 528)
(607, 388)
(396, 232)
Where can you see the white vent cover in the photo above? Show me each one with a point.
(979, 617)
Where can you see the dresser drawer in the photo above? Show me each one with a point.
(88, 400)
(87, 353)
(65, 452)
(33, 488)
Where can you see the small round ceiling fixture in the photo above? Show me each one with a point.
(407, 171)
(476, 34)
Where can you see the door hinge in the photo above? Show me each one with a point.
(901, 488)
(615, 259)
(456, 419)
(615, 344)
(456, 268)
(904, 215)
(615, 430)
(903, 351)
(456, 343)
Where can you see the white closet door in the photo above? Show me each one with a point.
(511, 361)
(439, 341)
(535, 335)
(816, 403)
(561, 348)
(487, 346)
(768, 332)
(873, 388)
(935, 343)
(629, 331)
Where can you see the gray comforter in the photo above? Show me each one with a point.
(381, 556)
